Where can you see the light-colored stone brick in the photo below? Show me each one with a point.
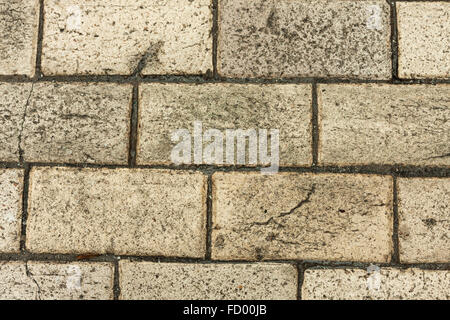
(13, 99)
(386, 284)
(424, 219)
(341, 217)
(94, 37)
(179, 281)
(121, 211)
(11, 187)
(423, 39)
(19, 20)
(166, 108)
(75, 123)
(302, 38)
(384, 124)
(56, 281)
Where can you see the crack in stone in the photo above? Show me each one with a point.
(151, 52)
(283, 214)
(445, 155)
(31, 276)
(21, 151)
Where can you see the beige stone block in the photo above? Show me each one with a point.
(424, 219)
(302, 38)
(337, 217)
(423, 39)
(117, 37)
(56, 281)
(120, 211)
(19, 20)
(384, 124)
(385, 284)
(199, 281)
(165, 108)
(11, 187)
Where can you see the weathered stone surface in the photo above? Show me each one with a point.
(19, 21)
(302, 38)
(424, 39)
(67, 122)
(339, 217)
(56, 281)
(11, 186)
(384, 124)
(13, 99)
(119, 37)
(386, 284)
(121, 211)
(166, 108)
(175, 281)
(424, 219)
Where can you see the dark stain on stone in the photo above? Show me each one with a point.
(430, 222)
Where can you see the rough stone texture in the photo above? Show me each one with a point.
(166, 108)
(60, 281)
(180, 281)
(424, 39)
(121, 211)
(387, 284)
(384, 124)
(13, 99)
(19, 21)
(11, 186)
(77, 123)
(339, 217)
(424, 219)
(302, 38)
(117, 37)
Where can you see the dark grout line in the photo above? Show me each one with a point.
(399, 171)
(301, 278)
(116, 284)
(395, 242)
(40, 37)
(133, 127)
(394, 40)
(315, 126)
(209, 218)
(23, 231)
(215, 35)
(203, 79)
(305, 264)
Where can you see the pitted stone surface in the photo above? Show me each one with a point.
(424, 39)
(120, 211)
(424, 219)
(385, 284)
(11, 187)
(56, 281)
(121, 36)
(19, 20)
(180, 281)
(302, 38)
(340, 217)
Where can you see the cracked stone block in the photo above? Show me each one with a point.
(189, 281)
(424, 219)
(165, 108)
(13, 99)
(120, 211)
(336, 217)
(19, 22)
(56, 281)
(302, 38)
(383, 284)
(384, 124)
(11, 187)
(121, 37)
(75, 123)
(423, 39)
